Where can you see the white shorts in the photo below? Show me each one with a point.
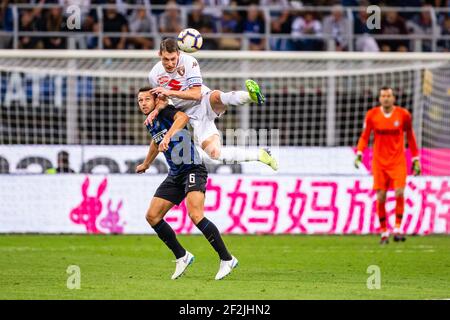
(202, 118)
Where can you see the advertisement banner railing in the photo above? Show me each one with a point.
(90, 159)
(238, 204)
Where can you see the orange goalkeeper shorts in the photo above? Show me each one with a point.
(391, 178)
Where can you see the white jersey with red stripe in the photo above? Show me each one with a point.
(186, 75)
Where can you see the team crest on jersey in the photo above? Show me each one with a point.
(163, 80)
(396, 123)
(181, 71)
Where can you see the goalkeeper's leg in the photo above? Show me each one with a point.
(399, 209)
(398, 176)
(381, 211)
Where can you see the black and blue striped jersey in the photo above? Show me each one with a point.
(182, 154)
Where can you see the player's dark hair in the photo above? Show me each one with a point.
(144, 89)
(387, 88)
(169, 45)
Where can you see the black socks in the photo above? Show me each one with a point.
(168, 236)
(212, 234)
(209, 230)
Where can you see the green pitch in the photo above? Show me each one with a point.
(270, 267)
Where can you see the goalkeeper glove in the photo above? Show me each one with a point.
(358, 161)
(416, 167)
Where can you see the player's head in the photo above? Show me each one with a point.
(169, 53)
(387, 97)
(145, 99)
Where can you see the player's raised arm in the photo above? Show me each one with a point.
(193, 93)
(412, 143)
(151, 155)
(180, 121)
(363, 140)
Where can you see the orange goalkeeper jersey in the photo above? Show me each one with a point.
(389, 131)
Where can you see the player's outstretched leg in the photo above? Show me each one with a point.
(155, 214)
(221, 100)
(195, 202)
(212, 149)
(255, 92)
(238, 155)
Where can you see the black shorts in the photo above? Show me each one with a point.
(175, 188)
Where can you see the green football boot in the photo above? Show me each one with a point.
(255, 92)
(266, 157)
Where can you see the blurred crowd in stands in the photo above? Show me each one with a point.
(292, 28)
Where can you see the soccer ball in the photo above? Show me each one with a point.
(189, 40)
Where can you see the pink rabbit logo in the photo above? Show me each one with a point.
(90, 208)
(111, 221)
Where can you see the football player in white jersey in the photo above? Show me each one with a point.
(177, 77)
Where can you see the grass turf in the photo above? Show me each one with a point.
(270, 267)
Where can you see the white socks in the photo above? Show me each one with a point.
(236, 155)
(231, 155)
(235, 98)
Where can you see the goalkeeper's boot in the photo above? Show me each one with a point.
(266, 157)
(226, 267)
(182, 264)
(255, 92)
(384, 238)
(398, 236)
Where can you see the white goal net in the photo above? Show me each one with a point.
(314, 99)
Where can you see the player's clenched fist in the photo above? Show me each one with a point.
(164, 145)
(141, 168)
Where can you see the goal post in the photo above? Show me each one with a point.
(315, 99)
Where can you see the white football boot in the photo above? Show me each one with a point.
(182, 264)
(226, 267)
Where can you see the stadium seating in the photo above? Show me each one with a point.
(245, 25)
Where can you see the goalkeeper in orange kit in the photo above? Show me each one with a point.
(389, 123)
